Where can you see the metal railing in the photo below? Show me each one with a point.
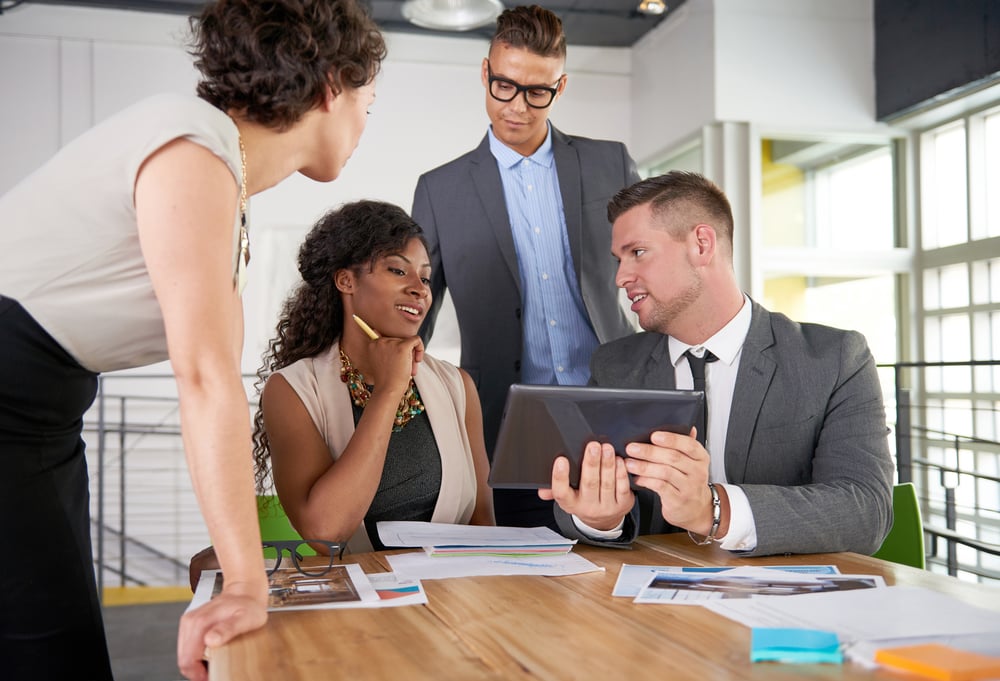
(145, 521)
(938, 482)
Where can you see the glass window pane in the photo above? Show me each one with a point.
(956, 345)
(982, 336)
(932, 339)
(932, 289)
(986, 281)
(991, 128)
(945, 192)
(856, 204)
(827, 194)
(955, 286)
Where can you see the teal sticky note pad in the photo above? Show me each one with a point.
(794, 645)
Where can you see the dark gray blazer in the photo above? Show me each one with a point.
(807, 433)
(461, 208)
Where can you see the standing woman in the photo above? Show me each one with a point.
(129, 247)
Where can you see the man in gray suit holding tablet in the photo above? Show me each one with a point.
(797, 458)
(517, 230)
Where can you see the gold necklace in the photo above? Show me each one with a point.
(244, 258)
(409, 407)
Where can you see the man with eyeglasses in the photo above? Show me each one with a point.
(517, 231)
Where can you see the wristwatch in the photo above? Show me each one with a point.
(716, 519)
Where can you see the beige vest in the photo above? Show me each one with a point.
(316, 380)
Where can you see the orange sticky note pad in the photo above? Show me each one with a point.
(937, 661)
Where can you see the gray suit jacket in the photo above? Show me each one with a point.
(461, 208)
(807, 433)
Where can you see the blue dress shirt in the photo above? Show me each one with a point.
(558, 337)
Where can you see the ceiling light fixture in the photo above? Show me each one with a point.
(452, 15)
(654, 7)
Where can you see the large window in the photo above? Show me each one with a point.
(829, 236)
(959, 324)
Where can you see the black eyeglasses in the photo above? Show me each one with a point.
(535, 96)
(299, 549)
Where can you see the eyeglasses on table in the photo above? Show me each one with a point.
(298, 549)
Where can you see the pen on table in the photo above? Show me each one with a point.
(364, 327)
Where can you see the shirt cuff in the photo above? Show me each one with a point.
(590, 533)
(742, 535)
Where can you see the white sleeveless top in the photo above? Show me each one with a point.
(69, 243)
(316, 380)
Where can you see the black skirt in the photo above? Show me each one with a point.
(50, 613)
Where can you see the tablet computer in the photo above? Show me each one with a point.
(541, 422)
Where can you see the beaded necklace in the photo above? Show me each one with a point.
(409, 407)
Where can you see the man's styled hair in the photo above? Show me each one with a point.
(681, 192)
(532, 28)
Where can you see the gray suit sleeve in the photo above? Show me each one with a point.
(569, 529)
(423, 215)
(847, 505)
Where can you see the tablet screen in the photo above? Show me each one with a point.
(541, 422)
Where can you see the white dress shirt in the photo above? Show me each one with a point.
(720, 384)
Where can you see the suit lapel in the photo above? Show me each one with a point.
(752, 381)
(568, 172)
(489, 188)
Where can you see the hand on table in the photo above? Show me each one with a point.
(235, 611)
(603, 497)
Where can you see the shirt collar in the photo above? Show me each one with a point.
(508, 158)
(725, 344)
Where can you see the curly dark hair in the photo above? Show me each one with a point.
(533, 28)
(353, 236)
(274, 59)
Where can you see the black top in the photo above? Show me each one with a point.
(411, 476)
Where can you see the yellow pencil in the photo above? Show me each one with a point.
(364, 327)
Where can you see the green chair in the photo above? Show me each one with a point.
(274, 524)
(905, 542)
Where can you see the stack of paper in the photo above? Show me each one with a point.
(441, 539)
(479, 551)
(870, 619)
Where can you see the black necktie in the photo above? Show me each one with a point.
(697, 365)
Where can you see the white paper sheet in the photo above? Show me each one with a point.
(413, 533)
(422, 566)
(894, 612)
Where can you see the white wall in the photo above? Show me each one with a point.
(75, 66)
(673, 80)
(782, 65)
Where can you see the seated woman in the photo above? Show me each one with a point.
(354, 429)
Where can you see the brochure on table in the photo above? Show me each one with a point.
(696, 588)
(344, 586)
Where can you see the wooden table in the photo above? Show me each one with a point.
(545, 628)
